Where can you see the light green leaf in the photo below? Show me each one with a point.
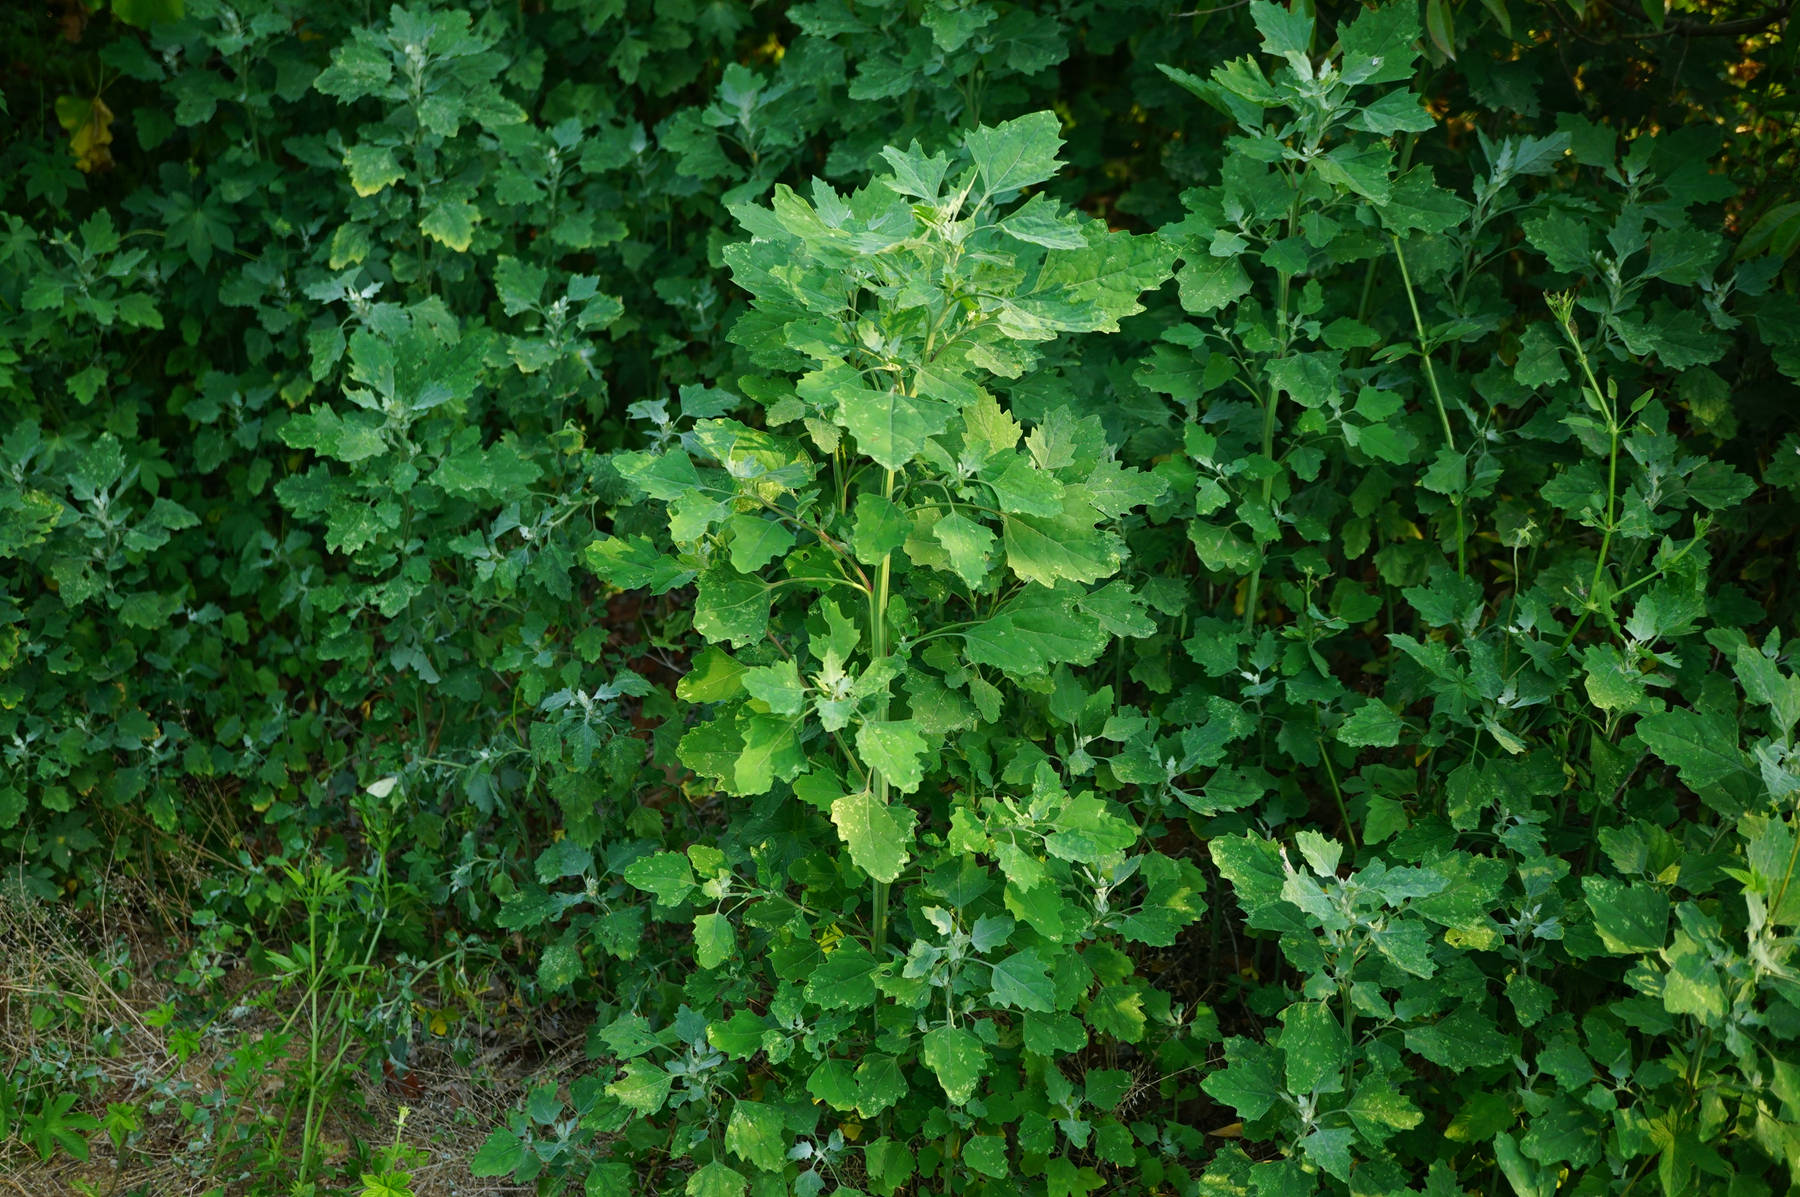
(987, 428)
(714, 940)
(716, 1180)
(372, 168)
(1372, 725)
(559, 967)
(756, 1134)
(1379, 1111)
(634, 562)
(1023, 488)
(1021, 982)
(1312, 1047)
(894, 748)
(957, 1058)
(969, 545)
(1632, 918)
(1048, 551)
(730, 608)
(876, 835)
(1702, 745)
(771, 751)
(1016, 154)
(891, 427)
(778, 685)
(451, 223)
(756, 541)
(665, 874)
(643, 1087)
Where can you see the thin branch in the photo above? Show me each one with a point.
(1207, 12)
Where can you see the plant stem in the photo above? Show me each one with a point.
(878, 648)
(1605, 407)
(1336, 792)
(1437, 396)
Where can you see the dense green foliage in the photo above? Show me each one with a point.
(1045, 599)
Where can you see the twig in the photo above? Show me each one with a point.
(1207, 12)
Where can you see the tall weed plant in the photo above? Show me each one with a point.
(1046, 599)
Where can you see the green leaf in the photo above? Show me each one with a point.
(1372, 725)
(559, 967)
(890, 426)
(895, 749)
(325, 432)
(712, 676)
(715, 940)
(1701, 744)
(372, 168)
(1632, 918)
(144, 13)
(876, 835)
(1020, 981)
(1380, 1111)
(501, 1155)
(1205, 283)
(880, 528)
(969, 545)
(1312, 1047)
(756, 1134)
(642, 1087)
(879, 1085)
(717, 1180)
(845, 980)
(1463, 1039)
(665, 874)
(778, 685)
(1440, 25)
(1249, 1082)
(1692, 985)
(1482, 1116)
(451, 223)
(756, 541)
(1286, 32)
(1016, 154)
(1612, 685)
(729, 608)
(916, 175)
(500, 470)
(1087, 833)
(957, 1058)
(986, 1154)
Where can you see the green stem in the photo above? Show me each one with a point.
(1613, 429)
(1437, 396)
(878, 649)
(1251, 591)
(1336, 792)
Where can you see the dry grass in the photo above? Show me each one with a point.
(94, 979)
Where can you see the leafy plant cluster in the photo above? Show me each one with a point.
(1040, 598)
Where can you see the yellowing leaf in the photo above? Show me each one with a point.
(88, 123)
(451, 224)
(372, 168)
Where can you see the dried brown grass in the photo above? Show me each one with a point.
(105, 968)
